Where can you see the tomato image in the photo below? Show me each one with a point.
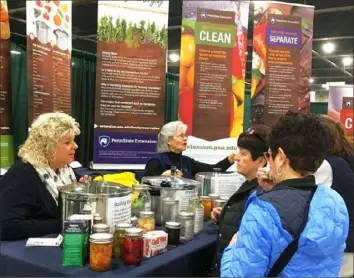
(185, 107)
(187, 50)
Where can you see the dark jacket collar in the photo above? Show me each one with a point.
(301, 183)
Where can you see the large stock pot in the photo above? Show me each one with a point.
(111, 200)
(175, 188)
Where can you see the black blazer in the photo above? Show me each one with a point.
(27, 209)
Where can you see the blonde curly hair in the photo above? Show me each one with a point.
(46, 131)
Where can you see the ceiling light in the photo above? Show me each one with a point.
(174, 57)
(347, 61)
(328, 47)
(15, 52)
(311, 80)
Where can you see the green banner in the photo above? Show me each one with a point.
(212, 34)
(7, 151)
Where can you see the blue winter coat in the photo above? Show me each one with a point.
(273, 219)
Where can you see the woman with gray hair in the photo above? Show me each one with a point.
(171, 142)
(29, 190)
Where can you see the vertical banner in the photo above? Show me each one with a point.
(130, 86)
(6, 138)
(48, 57)
(282, 59)
(212, 76)
(341, 107)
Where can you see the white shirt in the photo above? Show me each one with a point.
(324, 174)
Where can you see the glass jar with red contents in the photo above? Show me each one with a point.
(132, 247)
(101, 251)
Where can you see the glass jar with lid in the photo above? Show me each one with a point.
(100, 228)
(196, 206)
(207, 207)
(220, 203)
(169, 210)
(141, 199)
(173, 230)
(187, 225)
(132, 250)
(101, 251)
(146, 221)
(119, 236)
(213, 197)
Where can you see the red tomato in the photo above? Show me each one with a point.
(39, 3)
(185, 107)
(48, 8)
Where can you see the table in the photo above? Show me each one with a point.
(191, 259)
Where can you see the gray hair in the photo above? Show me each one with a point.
(167, 132)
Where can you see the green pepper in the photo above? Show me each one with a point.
(60, 13)
(37, 12)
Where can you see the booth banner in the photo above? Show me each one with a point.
(130, 82)
(341, 107)
(212, 76)
(282, 60)
(6, 138)
(48, 57)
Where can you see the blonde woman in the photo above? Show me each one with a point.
(29, 190)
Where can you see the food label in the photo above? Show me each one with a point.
(198, 220)
(118, 210)
(155, 243)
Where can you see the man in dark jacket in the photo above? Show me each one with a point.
(250, 156)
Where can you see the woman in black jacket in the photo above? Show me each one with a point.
(250, 156)
(29, 189)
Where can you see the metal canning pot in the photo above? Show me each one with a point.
(42, 31)
(173, 188)
(62, 39)
(111, 200)
(221, 184)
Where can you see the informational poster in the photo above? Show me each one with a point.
(6, 138)
(282, 59)
(212, 76)
(130, 82)
(341, 107)
(48, 57)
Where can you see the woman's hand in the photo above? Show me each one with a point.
(264, 179)
(168, 173)
(231, 158)
(215, 214)
(85, 178)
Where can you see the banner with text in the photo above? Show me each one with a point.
(130, 82)
(6, 138)
(341, 107)
(282, 59)
(48, 57)
(212, 76)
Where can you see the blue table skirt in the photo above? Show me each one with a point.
(191, 259)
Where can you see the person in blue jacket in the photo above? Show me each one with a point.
(292, 211)
(171, 142)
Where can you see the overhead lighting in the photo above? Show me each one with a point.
(174, 57)
(15, 52)
(347, 61)
(311, 80)
(328, 47)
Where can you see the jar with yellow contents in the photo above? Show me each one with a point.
(101, 251)
(118, 239)
(146, 221)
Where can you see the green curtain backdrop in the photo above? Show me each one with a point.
(171, 102)
(319, 107)
(83, 100)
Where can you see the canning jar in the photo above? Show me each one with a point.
(173, 230)
(97, 220)
(213, 198)
(132, 251)
(100, 228)
(196, 206)
(146, 221)
(119, 236)
(187, 225)
(169, 210)
(101, 251)
(207, 207)
(220, 203)
(141, 199)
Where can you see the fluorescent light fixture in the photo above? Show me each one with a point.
(328, 47)
(174, 57)
(347, 61)
(15, 52)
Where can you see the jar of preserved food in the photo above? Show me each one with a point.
(132, 251)
(187, 225)
(196, 206)
(173, 230)
(213, 197)
(220, 203)
(141, 199)
(207, 207)
(100, 228)
(134, 221)
(101, 251)
(119, 236)
(169, 210)
(146, 221)
(97, 220)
